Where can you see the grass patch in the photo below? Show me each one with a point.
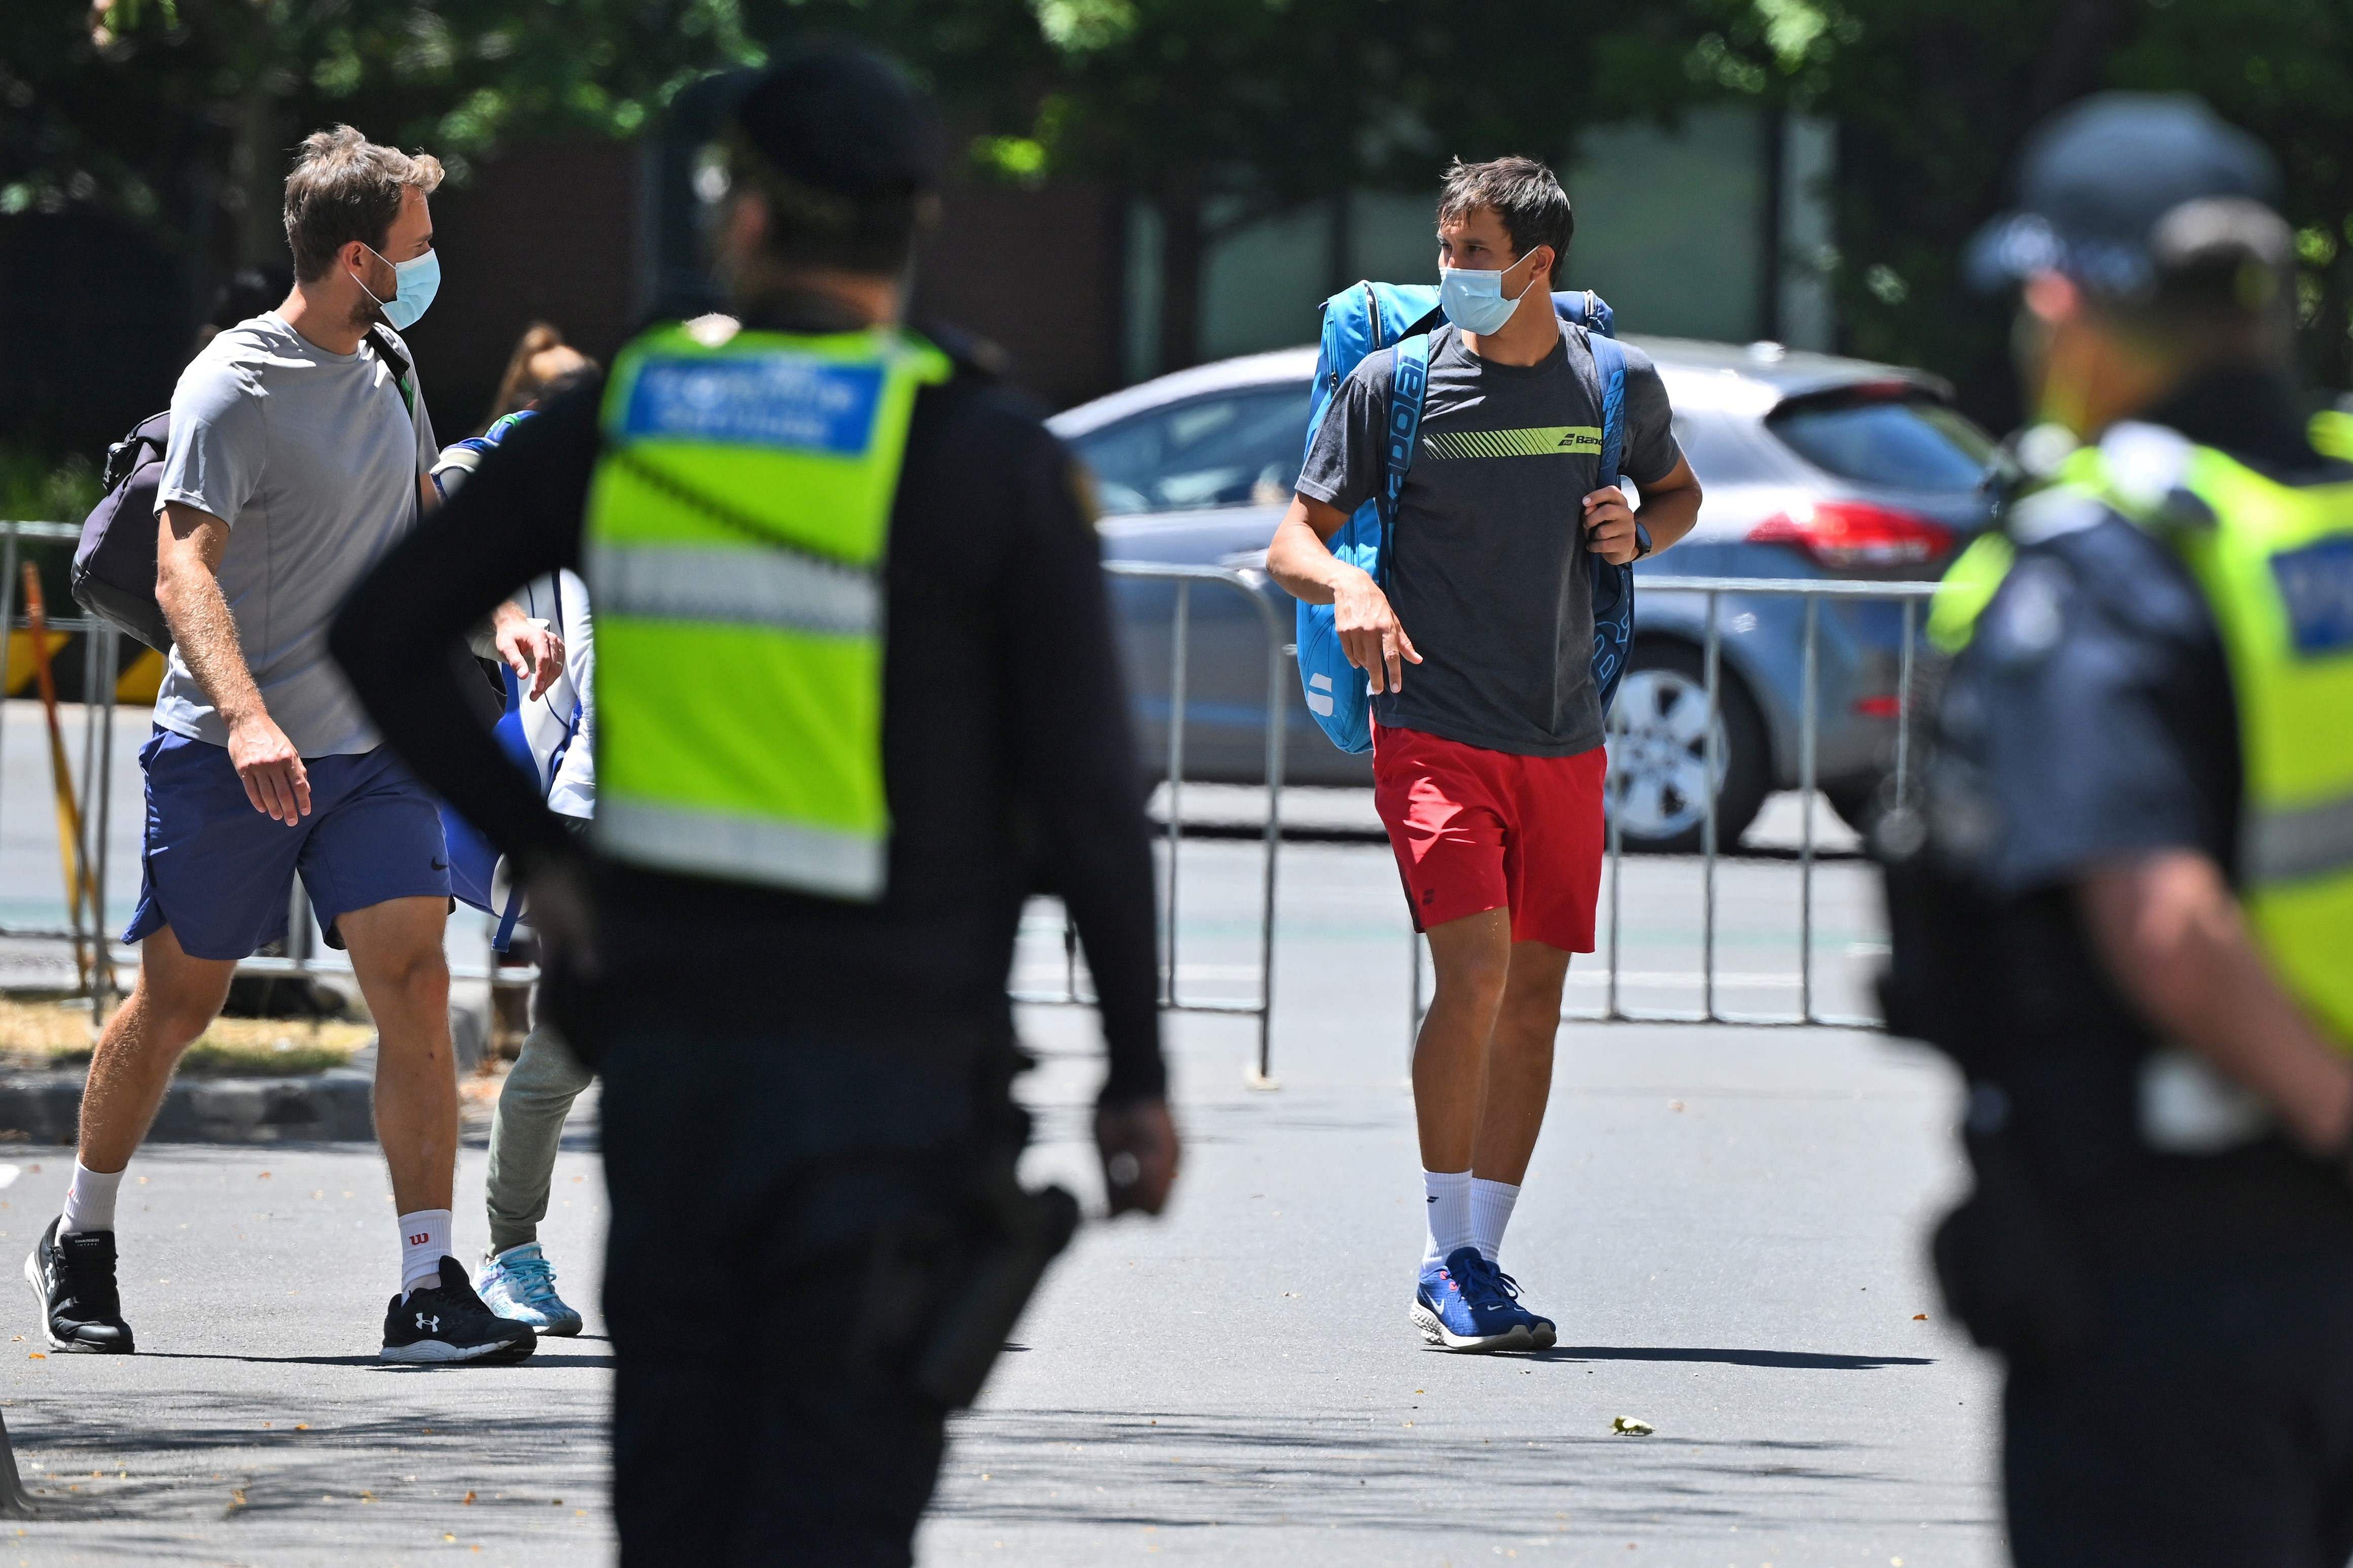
(37, 1035)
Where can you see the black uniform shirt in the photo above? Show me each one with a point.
(2091, 719)
(1007, 761)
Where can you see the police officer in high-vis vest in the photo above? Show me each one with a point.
(2124, 902)
(858, 699)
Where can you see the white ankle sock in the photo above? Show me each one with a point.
(1447, 1197)
(90, 1200)
(1491, 1211)
(424, 1241)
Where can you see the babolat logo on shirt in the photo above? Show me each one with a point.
(2315, 583)
(1534, 441)
(784, 400)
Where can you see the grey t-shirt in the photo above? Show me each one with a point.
(312, 461)
(1489, 576)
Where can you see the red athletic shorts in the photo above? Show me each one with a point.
(1477, 830)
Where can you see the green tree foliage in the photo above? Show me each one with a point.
(1221, 113)
(180, 114)
(1933, 99)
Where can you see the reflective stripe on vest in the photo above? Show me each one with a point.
(737, 524)
(2275, 564)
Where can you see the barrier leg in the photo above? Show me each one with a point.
(1262, 1076)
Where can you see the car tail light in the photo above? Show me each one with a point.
(1840, 534)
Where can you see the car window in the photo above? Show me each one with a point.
(1717, 448)
(1908, 443)
(1232, 448)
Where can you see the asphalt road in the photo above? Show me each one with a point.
(1726, 1222)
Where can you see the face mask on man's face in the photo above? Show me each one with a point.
(1476, 302)
(415, 282)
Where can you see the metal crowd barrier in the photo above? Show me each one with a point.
(1277, 673)
(304, 958)
(93, 791)
(1910, 596)
(99, 656)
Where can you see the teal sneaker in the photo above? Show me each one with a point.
(519, 1283)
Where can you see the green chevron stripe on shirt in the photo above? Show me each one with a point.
(1535, 441)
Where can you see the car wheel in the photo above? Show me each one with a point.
(1657, 792)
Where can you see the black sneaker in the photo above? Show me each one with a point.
(447, 1323)
(74, 1279)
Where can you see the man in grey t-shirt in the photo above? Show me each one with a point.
(1487, 760)
(297, 458)
(311, 457)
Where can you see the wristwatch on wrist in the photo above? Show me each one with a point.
(1642, 542)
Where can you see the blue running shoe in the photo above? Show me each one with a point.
(1458, 1308)
(519, 1283)
(1541, 1331)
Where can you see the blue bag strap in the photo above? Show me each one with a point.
(504, 937)
(1613, 586)
(1408, 381)
(1609, 366)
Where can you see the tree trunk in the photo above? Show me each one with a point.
(1184, 257)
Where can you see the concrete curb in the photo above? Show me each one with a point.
(330, 1106)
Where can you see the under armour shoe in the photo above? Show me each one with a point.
(73, 1275)
(520, 1284)
(1457, 1309)
(447, 1323)
(1493, 1282)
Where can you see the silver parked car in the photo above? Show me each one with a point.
(1814, 467)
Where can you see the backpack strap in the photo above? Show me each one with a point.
(1612, 586)
(1408, 381)
(397, 362)
(1610, 366)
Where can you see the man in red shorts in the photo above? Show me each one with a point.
(1487, 763)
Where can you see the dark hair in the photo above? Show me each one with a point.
(1525, 195)
(344, 187)
(808, 227)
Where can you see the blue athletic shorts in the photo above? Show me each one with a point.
(221, 874)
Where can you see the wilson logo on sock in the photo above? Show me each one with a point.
(418, 1240)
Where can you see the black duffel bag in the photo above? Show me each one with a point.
(114, 565)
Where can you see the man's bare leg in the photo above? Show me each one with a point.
(1459, 1304)
(174, 1001)
(1519, 1063)
(396, 948)
(72, 1264)
(1512, 1111)
(1472, 957)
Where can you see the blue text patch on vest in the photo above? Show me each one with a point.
(2315, 583)
(757, 400)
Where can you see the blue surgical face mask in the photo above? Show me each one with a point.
(414, 283)
(1474, 302)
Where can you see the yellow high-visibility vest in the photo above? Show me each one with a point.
(736, 529)
(2275, 564)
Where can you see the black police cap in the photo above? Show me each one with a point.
(2097, 181)
(843, 120)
